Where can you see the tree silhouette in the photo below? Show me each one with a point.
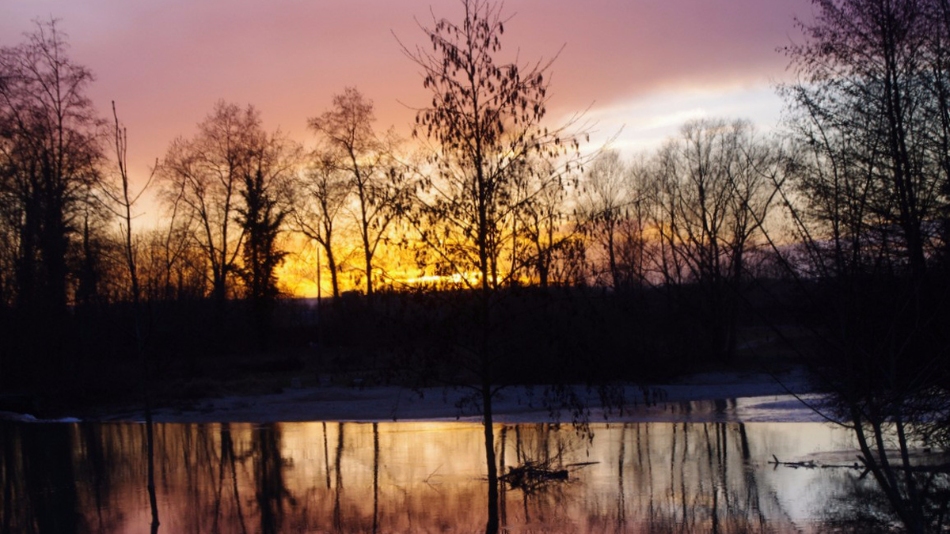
(374, 176)
(607, 194)
(271, 164)
(204, 175)
(715, 188)
(485, 124)
(543, 223)
(322, 194)
(123, 202)
(49, 157)
(869, 116)
(871, 103)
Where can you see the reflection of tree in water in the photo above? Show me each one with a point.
(61, 478)
(227, 476)
(709, 485)
(51, 480)
(677, 478)
(338, 493)
(655, 477)
(39, 488)
(96, 462)
(375, 478)
(209, 473)
(271, 491)
(669, 478)
(336, 499)
(864, 509)
(9, 479)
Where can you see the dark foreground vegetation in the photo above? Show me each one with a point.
(539, 336)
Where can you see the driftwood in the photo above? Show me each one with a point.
(532, 476)
(811, 464)
(794, 465)
(858, 466)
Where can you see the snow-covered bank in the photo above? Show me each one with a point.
(731, 396)
(29, 418)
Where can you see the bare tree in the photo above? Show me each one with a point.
(715, 193)
(869, 115)
(639, 247)
(375, 178)
(172, 267)
(607, 193)
(50, 152)
(869, 95)
(485, 123)
(321, 197)
(204, 174)
(123, 202)
(542, 222)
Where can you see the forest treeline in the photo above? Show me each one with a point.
(492, 237)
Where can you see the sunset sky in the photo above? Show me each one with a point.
(641, 65)
(638, 67)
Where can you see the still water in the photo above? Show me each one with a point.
(424, 477)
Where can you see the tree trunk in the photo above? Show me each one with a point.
(331, 265)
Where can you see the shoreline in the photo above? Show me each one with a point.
(733, 396)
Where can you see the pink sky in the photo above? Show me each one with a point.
(644, 65)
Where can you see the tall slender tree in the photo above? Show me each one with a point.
(122, 202)
(205, 174)
(484, 122)
(606, 195)
(321, 197)
(50, 150)
(375, 178)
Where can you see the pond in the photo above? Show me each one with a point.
(426, 477)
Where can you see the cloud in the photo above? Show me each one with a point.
(641, 123)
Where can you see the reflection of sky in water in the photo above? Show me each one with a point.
(804, 492)
(421, 477)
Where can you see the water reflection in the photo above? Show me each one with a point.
(419, 477)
